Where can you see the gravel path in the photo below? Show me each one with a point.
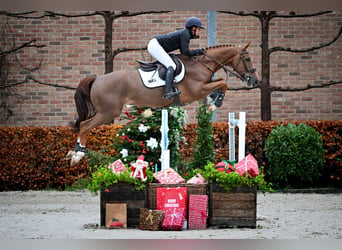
(74, 215)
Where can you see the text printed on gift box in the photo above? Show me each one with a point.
(171, 203)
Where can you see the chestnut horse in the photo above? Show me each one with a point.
(101, 99)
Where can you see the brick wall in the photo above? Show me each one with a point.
(75, 50)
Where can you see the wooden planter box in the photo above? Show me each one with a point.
(123, 193)
(236, 208)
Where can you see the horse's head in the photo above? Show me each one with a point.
(242, 64)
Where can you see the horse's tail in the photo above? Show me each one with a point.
(85, 108)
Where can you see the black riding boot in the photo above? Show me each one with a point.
(168, 84)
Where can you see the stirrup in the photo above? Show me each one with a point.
(169, 95)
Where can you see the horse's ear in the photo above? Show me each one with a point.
(244, 48)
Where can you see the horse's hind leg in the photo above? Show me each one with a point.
(85, 127)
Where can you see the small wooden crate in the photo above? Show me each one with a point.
(123, 193)
(191, 189)
(236, 208)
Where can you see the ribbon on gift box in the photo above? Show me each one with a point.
(150, 217)
(176, 215)
(203, 213)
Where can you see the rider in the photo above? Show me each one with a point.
(161, 45)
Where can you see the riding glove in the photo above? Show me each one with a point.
(198, 52)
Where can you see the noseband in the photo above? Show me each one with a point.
(246, 76)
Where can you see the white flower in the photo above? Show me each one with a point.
(152, 143)
(174, 112)
(147, 113)
(124, 152)
(142, 128)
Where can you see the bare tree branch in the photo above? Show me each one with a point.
(242, 13)
(295, 15)
(120, 50)
(31, 14)
(289, 89)
(242, 88)
(24, 45)
(274, 14)
(30, 77)
(279, 48)
(309, 86)
(114, 14)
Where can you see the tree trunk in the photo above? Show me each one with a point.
(266, 113)
(108, 42)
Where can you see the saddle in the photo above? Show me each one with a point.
(157, 66)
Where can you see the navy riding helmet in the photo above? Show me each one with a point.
(193, 21)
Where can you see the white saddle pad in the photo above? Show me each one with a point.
(152, 80)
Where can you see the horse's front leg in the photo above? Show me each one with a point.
(219, 87)
(222, 84)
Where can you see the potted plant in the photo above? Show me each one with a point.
(120, 188)
(232, 196)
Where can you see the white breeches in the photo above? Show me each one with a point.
(159, 53)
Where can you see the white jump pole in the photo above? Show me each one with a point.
(241, 123)
(164, 143)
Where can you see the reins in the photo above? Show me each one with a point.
(228, 70)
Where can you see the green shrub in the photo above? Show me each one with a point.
(204, 143)
(295, 156)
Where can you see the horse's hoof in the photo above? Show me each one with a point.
(76, 157)
(69, 155)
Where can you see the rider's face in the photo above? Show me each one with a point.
(195, 31)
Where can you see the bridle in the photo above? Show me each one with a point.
(246, 76)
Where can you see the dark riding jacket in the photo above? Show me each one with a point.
(178, 40)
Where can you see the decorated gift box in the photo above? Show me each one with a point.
(198, 205)
(151, 219)
(247, 166)
(174, 202)
(197, 179)
(116, 215)
(172, 198)
(168, 176)
(117, 167)
(174, 219)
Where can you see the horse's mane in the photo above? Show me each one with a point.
(219, 46)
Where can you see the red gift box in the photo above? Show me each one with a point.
(174, 219)
(172, 198)
(197, 179)
(117, 167)
(174, 202)
(168, 176)
(247, 166)
(198, 211)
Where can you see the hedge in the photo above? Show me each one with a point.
(34, 157)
